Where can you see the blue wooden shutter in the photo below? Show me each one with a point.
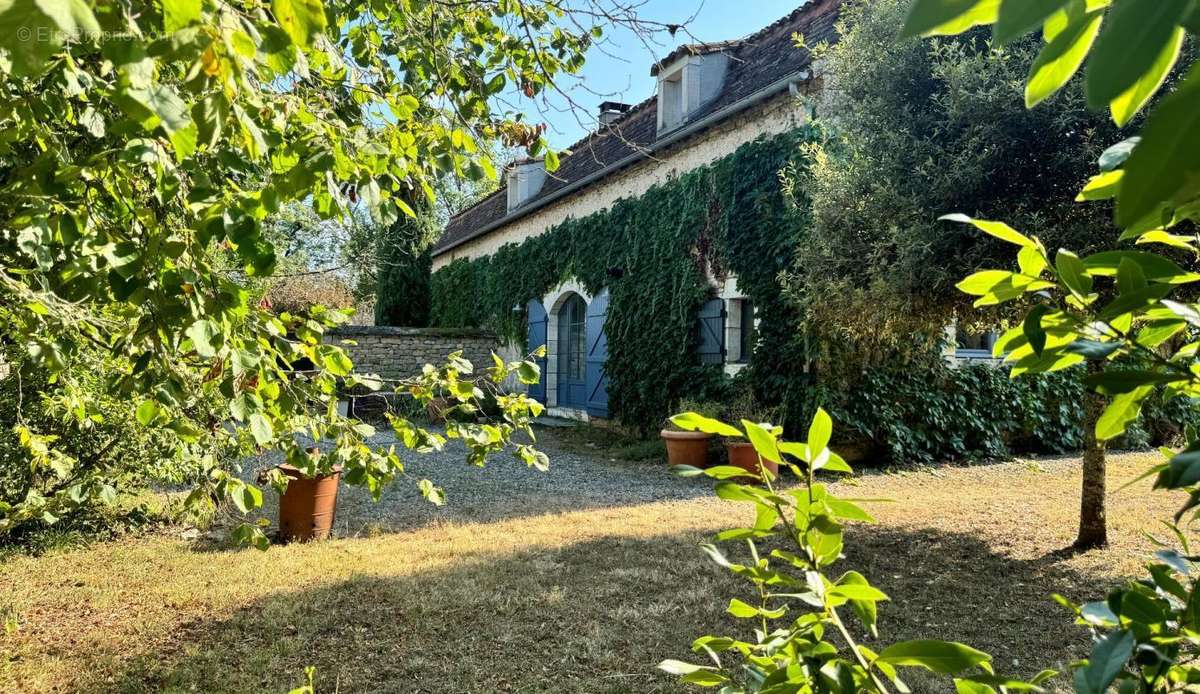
(711, 326)
(536, 337)
(597, 355)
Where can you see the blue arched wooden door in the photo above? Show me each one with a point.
(535, 333)
(571, 360)
(597, 355)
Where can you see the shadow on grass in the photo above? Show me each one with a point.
(596, 617)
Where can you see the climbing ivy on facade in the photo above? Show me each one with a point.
(655, 254)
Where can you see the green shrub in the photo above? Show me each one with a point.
(109, 454)
(930, 412)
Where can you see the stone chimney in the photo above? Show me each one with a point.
(610, 111)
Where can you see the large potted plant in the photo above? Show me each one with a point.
(689, 447)
(307, 498)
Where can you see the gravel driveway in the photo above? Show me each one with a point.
(504, 488)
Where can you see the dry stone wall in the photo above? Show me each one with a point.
(401, 352)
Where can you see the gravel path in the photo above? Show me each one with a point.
(504, 488)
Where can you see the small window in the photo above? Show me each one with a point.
(975, 341)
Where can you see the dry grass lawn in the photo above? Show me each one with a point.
(579, 601)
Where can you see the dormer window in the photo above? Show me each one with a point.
(524, 180)
(687, 81)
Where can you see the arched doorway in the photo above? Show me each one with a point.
(571, 361)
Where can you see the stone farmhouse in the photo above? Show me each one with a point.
(711, 98)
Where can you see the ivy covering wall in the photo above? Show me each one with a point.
(727, 217)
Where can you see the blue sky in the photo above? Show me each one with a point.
(619, 70)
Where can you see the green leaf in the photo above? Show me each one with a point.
(1117, 382)
(848, 510)
(1108, 658)
(1127, 105)
(1137, 300)
(206, 337)
(937, 17)
(943, 657)
(260, 427)
(1019, 17)
(1032, 327)
(1134, 35)
(164, 108)
(1121, 412)
(178, 14)
(146, 412)
(825, 539)
(984, 282)
(247, 534)
(1000, 230)
(819, 431)
(691, 421)
(1168, 157)
(1155, 267)
(1130, 277)
(1060, 59)
(1117, 154)
(529, 373)
(33, 30)
(866, 610)
(705, 678)
(336, 361)
(246, 497)
(859, 591)
(962, 686)
(1102, 186)
(741, 610)
(721, 472)
(1073, 272)
(1031, 261)
(301, 19)
(1093, 350)
(1183, 470)
(763, 441)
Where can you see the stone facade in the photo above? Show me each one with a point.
(395, 353)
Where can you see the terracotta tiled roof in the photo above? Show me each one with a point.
(756, 62)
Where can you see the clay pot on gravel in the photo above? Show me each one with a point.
(741, 454)
(307, 507)
(686, 447)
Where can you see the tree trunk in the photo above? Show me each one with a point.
(1093, 530)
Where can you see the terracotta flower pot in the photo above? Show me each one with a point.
(306, 508)
(686, 447)
(742, 454)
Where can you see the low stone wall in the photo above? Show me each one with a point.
(401, 352)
